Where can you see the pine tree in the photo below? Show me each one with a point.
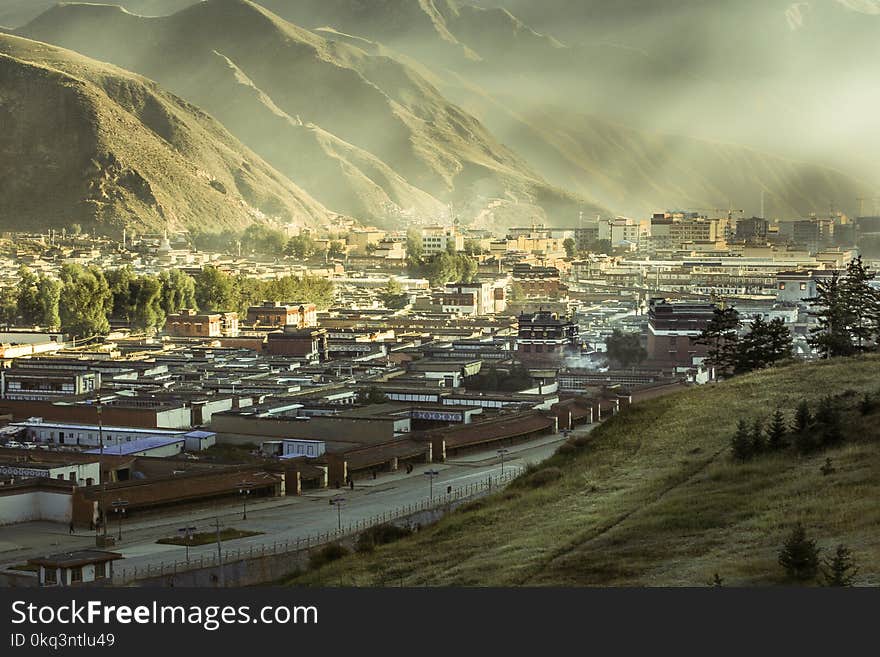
(827, 468)
(829, 423)
(831, 336)
(841, 569)
(799, 555)
(759, 446)
(717, 581)
(862, 302)
(741, 443)
(867, 405)
(802, 429)
(776, 432)
(720, 337)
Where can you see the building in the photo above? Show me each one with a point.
(76, 568)
(545, 338)
(619, 230)
(795, 287)
(360, 240)
(69, 434)
(671, 327)
(278, 315)
(538, 281)
(754, 229)
(192, 324)
(56, 466)
(305, 343)
(37, 384)
(438, 239)
(465, 299)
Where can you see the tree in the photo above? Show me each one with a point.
(415, 249)
(570, 247)
(473, 248)
(862, 302)
(840, 570)
(828, 422)
(392, 295)
(336, 250)
(831, 337)
(49, 300)
(802, 429)
(764, 345)
(741, 443)
(776, 432)
(759, 445)
(625, 348)
(178, 291)
(301, 247)
(27, 296)
(8, 306)
(258, 238)
(717, 581)
(721, 339)
(371, 395)
(215, 290)
(799, 555)
(147, 312)
(86, 301)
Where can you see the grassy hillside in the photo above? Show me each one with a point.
(653, 498)
(86, 142)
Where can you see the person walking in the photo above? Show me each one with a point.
(71, 528)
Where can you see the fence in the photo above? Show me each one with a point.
(128, 575)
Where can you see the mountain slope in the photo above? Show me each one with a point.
(89, 143)
(380, 107)
(652, 498)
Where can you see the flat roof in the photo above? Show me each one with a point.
(139, 445)
(76, 558)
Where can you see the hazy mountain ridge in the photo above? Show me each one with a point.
(85, 142)
(384, 109)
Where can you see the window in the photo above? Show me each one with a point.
(90, 481)
(51, 576)
(76, 574)
(72, 476)
(803, 286)
(100, 570)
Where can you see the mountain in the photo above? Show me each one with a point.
(625, 115)
(652, 497)
(89, 143)
(365, 133)
(15, 13)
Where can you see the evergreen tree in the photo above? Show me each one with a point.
(802, 429)
(832, 304)
(757, 438)
(776, 432)
(8, 306)
(799, 555)
(717, 581)
(862, 302)
(86, 301)
(840, 570)
(570, 247)
(741, 443)
(868, 404)
(625, 348)
(827, 468)
(765, 344)
(721, 340)
(829, 423)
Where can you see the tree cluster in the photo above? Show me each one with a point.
(492, 379)
(731, 351)
(847, 312)
(800, 557)
(215, 290)
(625, 348)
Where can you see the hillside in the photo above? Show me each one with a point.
(88, 143)
(396, 140)
(652, 498)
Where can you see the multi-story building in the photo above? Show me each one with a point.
(308, 343)
(193, 324)
(538, 281)
(38, 384)
(671, 329)
(359, 240)
(437, 239)
(754, 229)
(465, 299)
(544, 339)
(795, 287)
(277, 314)
(619, 230)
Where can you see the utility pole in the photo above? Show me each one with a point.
(220, 553)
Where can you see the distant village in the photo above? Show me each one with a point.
(405, 349)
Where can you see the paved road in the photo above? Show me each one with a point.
(280, 519)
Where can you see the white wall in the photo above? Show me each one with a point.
(35, 505)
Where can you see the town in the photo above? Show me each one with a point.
(175, 404)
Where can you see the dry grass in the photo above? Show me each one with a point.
(654, 499)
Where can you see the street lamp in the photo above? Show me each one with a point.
(337, 502)
(187, 533)
(431, 474)
(119, 509)
(244, 492)
(501, 453)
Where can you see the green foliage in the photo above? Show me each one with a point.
(828, 422)
(178, 291)
(759, 445)
(86, 301)
(721, 339)
(380, 535)
(8, 306)
(741, 443)
(215, 290)
(263, 240)
(540, 477)
(301, 247)
(444, 268)
(371, 395)
(492, 379)
(841, 569)
(336, 249)
(570, 247)
(799, 555)
(625, 348)
(392, 295)
(473, 248)
(776, 432)
(327, 554)
(765, 344)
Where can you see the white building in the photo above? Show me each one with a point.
(436, 239)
